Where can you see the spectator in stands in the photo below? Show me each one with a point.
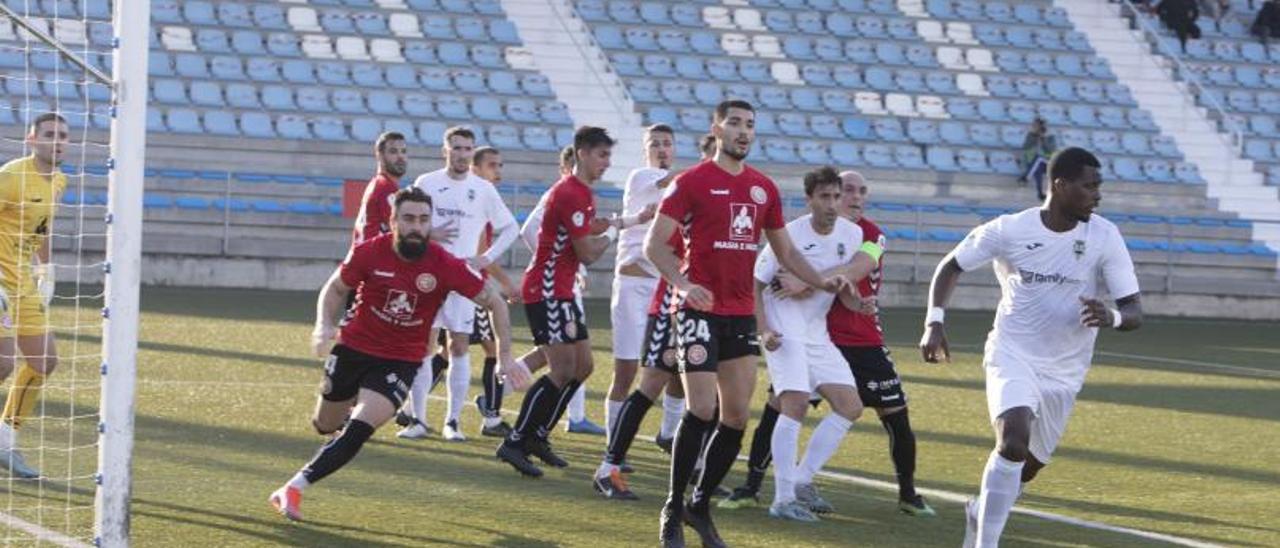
(1267, 24)
(1180, 16)
(1037, 146)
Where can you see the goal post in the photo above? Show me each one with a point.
(122, 270)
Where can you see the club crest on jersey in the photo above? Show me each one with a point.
(758, 195)
(400, 304)
(742, 226)
(696, 355)
(840, 250)
(471, 194)
(579, 218)
(1078, 249)
(426, 282)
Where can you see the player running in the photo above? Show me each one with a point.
(470, 202)
(30, 188)
(1048, 261)
(401, 280)
(725, 207)
(858, 335)
(555, 316)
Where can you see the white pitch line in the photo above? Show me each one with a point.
(1194, 363)
(41, 534)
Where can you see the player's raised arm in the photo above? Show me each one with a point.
(333, 296)
(793, 261)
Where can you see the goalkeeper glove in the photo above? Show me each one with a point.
(44, 281)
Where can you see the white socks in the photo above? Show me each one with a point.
(822, 444)
(578, 405)
(611, 410)
(786, 436)
(418, 393)
(1001, 485)
(298, 481)
(672, 411)
(459, 382)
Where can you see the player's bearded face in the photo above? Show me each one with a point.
(736, 133)
(413, 221)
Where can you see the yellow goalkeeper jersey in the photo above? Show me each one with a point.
(28, 201)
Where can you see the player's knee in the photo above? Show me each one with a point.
(322, 428)
(1013, 448)
(850, 411)
(45, 364)
(458, 346)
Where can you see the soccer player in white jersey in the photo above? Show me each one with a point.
(635, 278)
(470, 202)
(1048, 261)
(798, 350)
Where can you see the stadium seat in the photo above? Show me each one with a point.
(278, 98)
(924, 132)
(813, 152)
(212, 40)
(555, 112)
(183, 120)
(256, 124)
(908, 156)
(162, 90)
(781, 150)
(877, 155)
(220, 122)
(941, 158)
(198, 12)
(206, 93)
(452, 107)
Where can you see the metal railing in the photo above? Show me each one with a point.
(1151, 33)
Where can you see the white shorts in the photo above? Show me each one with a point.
(1013, 384)
(456, 315)
(628, 312)
(803, 367)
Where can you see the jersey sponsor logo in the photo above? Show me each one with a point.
(758, 195)
(1029, 277)
(384, 274)
(426, 282)
(450, 212)
(399, 308)
(719, 192)
(742, 227)
(579, 218)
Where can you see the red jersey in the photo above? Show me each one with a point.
(374, 218)
(724, 217)
(663, 301)
(849, 328)
(569, 210)
(397, 300)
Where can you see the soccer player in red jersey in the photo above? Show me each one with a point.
(555, 317)
(374, 218)
(724, 207)
(400, 280)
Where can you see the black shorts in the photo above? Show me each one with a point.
(347, 370)
(707, 339)
(878, 382)
(660, 344)
(556, 321)
(482, 328)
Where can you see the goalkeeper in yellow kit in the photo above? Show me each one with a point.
(30, 188)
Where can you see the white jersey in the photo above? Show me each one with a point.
(471, 203)
(806, 319)
(1043, 274)
(641, 191)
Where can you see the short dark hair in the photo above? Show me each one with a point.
(480, 153)
(387, 136)
(660, 128)
(1068, 164)
(567, 159)
(707, 144)
(412, 194)
(458, 131)
(823, 176)
(722, 109)
(46, 117)
(590, 137)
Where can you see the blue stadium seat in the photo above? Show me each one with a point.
(809, 22)
(453, 53)
(813, 152)
(227, 67)
(890, 53)
(198, 12)
(365, 130)
(780, 150)
(941, 158)
(403, 127)
(269, 16)
(1020, 37)
(846, 154)
(889, 129)
(793, 124)
(798, 47)
(1031, 88)
(880, 79)
(191, 65)
(963, 108)
(471, 28)
(297, 71)
(333, 73)
(504, 32)
(220, 122)
(655, 13)
(663, 115)
(418, 105)
(278, 98)
(337, 21)
(344, 100)
(837, 101)
(162, 90)
(212, 40)
(329, 128)
(522, 110)
(235, 14)
(708, 93)
(985, 135)
(420, 53)
(1049, 39)
(923, 132)
(971, 160)
(641, 39)
(1158, 170)
(659, 66)
(1127, 169)
(953, 133)
(452, 107)
(402, 77)
(1135, 143)
(555, 112)
(487, 108)
(372, 24)
(1001, 86)
(645, 91)
(1258, 149)
(431, 132)
(539, 138)
(746, 92)
(1119, 94)
(1003, 162)
(470, 81)
(313, 99)
(165, 11)
(677, 92)
(256, 124)
(1141, 119)
(910, 81)
(816, 75)
(282, 44)
(1099, 68)
(1061, 90)
(1082, 115)
(694, 119)
(779, 21)
(705, 43)
(856, 127)
(436, 79)
(992, 110)
(183, 120)
(775, 98)
(908, 156)
(206, 93)
(1013, 136)
(806, 99)
(687, 15)
(624, 12)
(877, 155)
(367, 75)
(1009, 60)
(766, 124)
